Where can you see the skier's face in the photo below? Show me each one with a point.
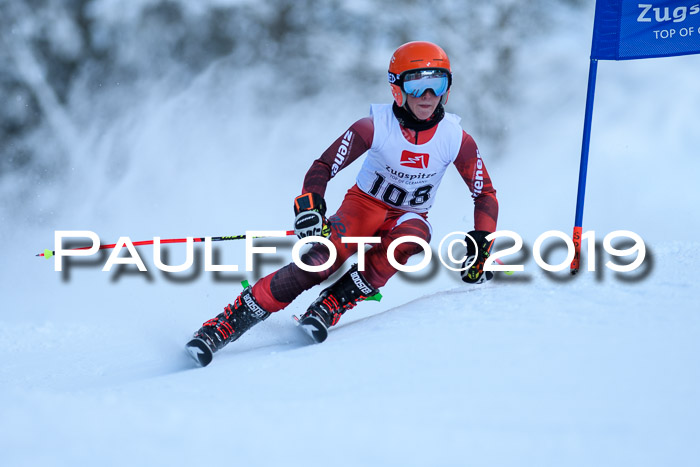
(423, 106)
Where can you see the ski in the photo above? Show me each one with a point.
(199, 351)
(312, 327)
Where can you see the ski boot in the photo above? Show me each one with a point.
(335, 300)
(226, 327)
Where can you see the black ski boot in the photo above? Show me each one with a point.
(335, 300)
(226, 327)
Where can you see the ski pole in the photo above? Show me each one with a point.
(508, 273)
(49, 253)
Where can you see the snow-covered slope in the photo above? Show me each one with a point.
(529, 369)
(524, 371)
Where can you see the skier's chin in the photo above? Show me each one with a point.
(424, 112)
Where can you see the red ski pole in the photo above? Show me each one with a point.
(49, 253)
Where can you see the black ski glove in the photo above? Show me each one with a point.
(476, 274)
(310, 212)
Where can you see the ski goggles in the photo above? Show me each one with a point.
(417, 82)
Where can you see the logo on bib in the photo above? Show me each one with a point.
(415, 160)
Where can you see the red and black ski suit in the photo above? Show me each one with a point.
(362, 215)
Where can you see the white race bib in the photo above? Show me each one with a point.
(402, 174)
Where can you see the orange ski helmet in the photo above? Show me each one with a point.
(414, 56)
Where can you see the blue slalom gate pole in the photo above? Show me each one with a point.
(583, 169)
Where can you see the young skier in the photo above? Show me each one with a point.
(409, 145)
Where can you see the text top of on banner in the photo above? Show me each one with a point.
(630, 29)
